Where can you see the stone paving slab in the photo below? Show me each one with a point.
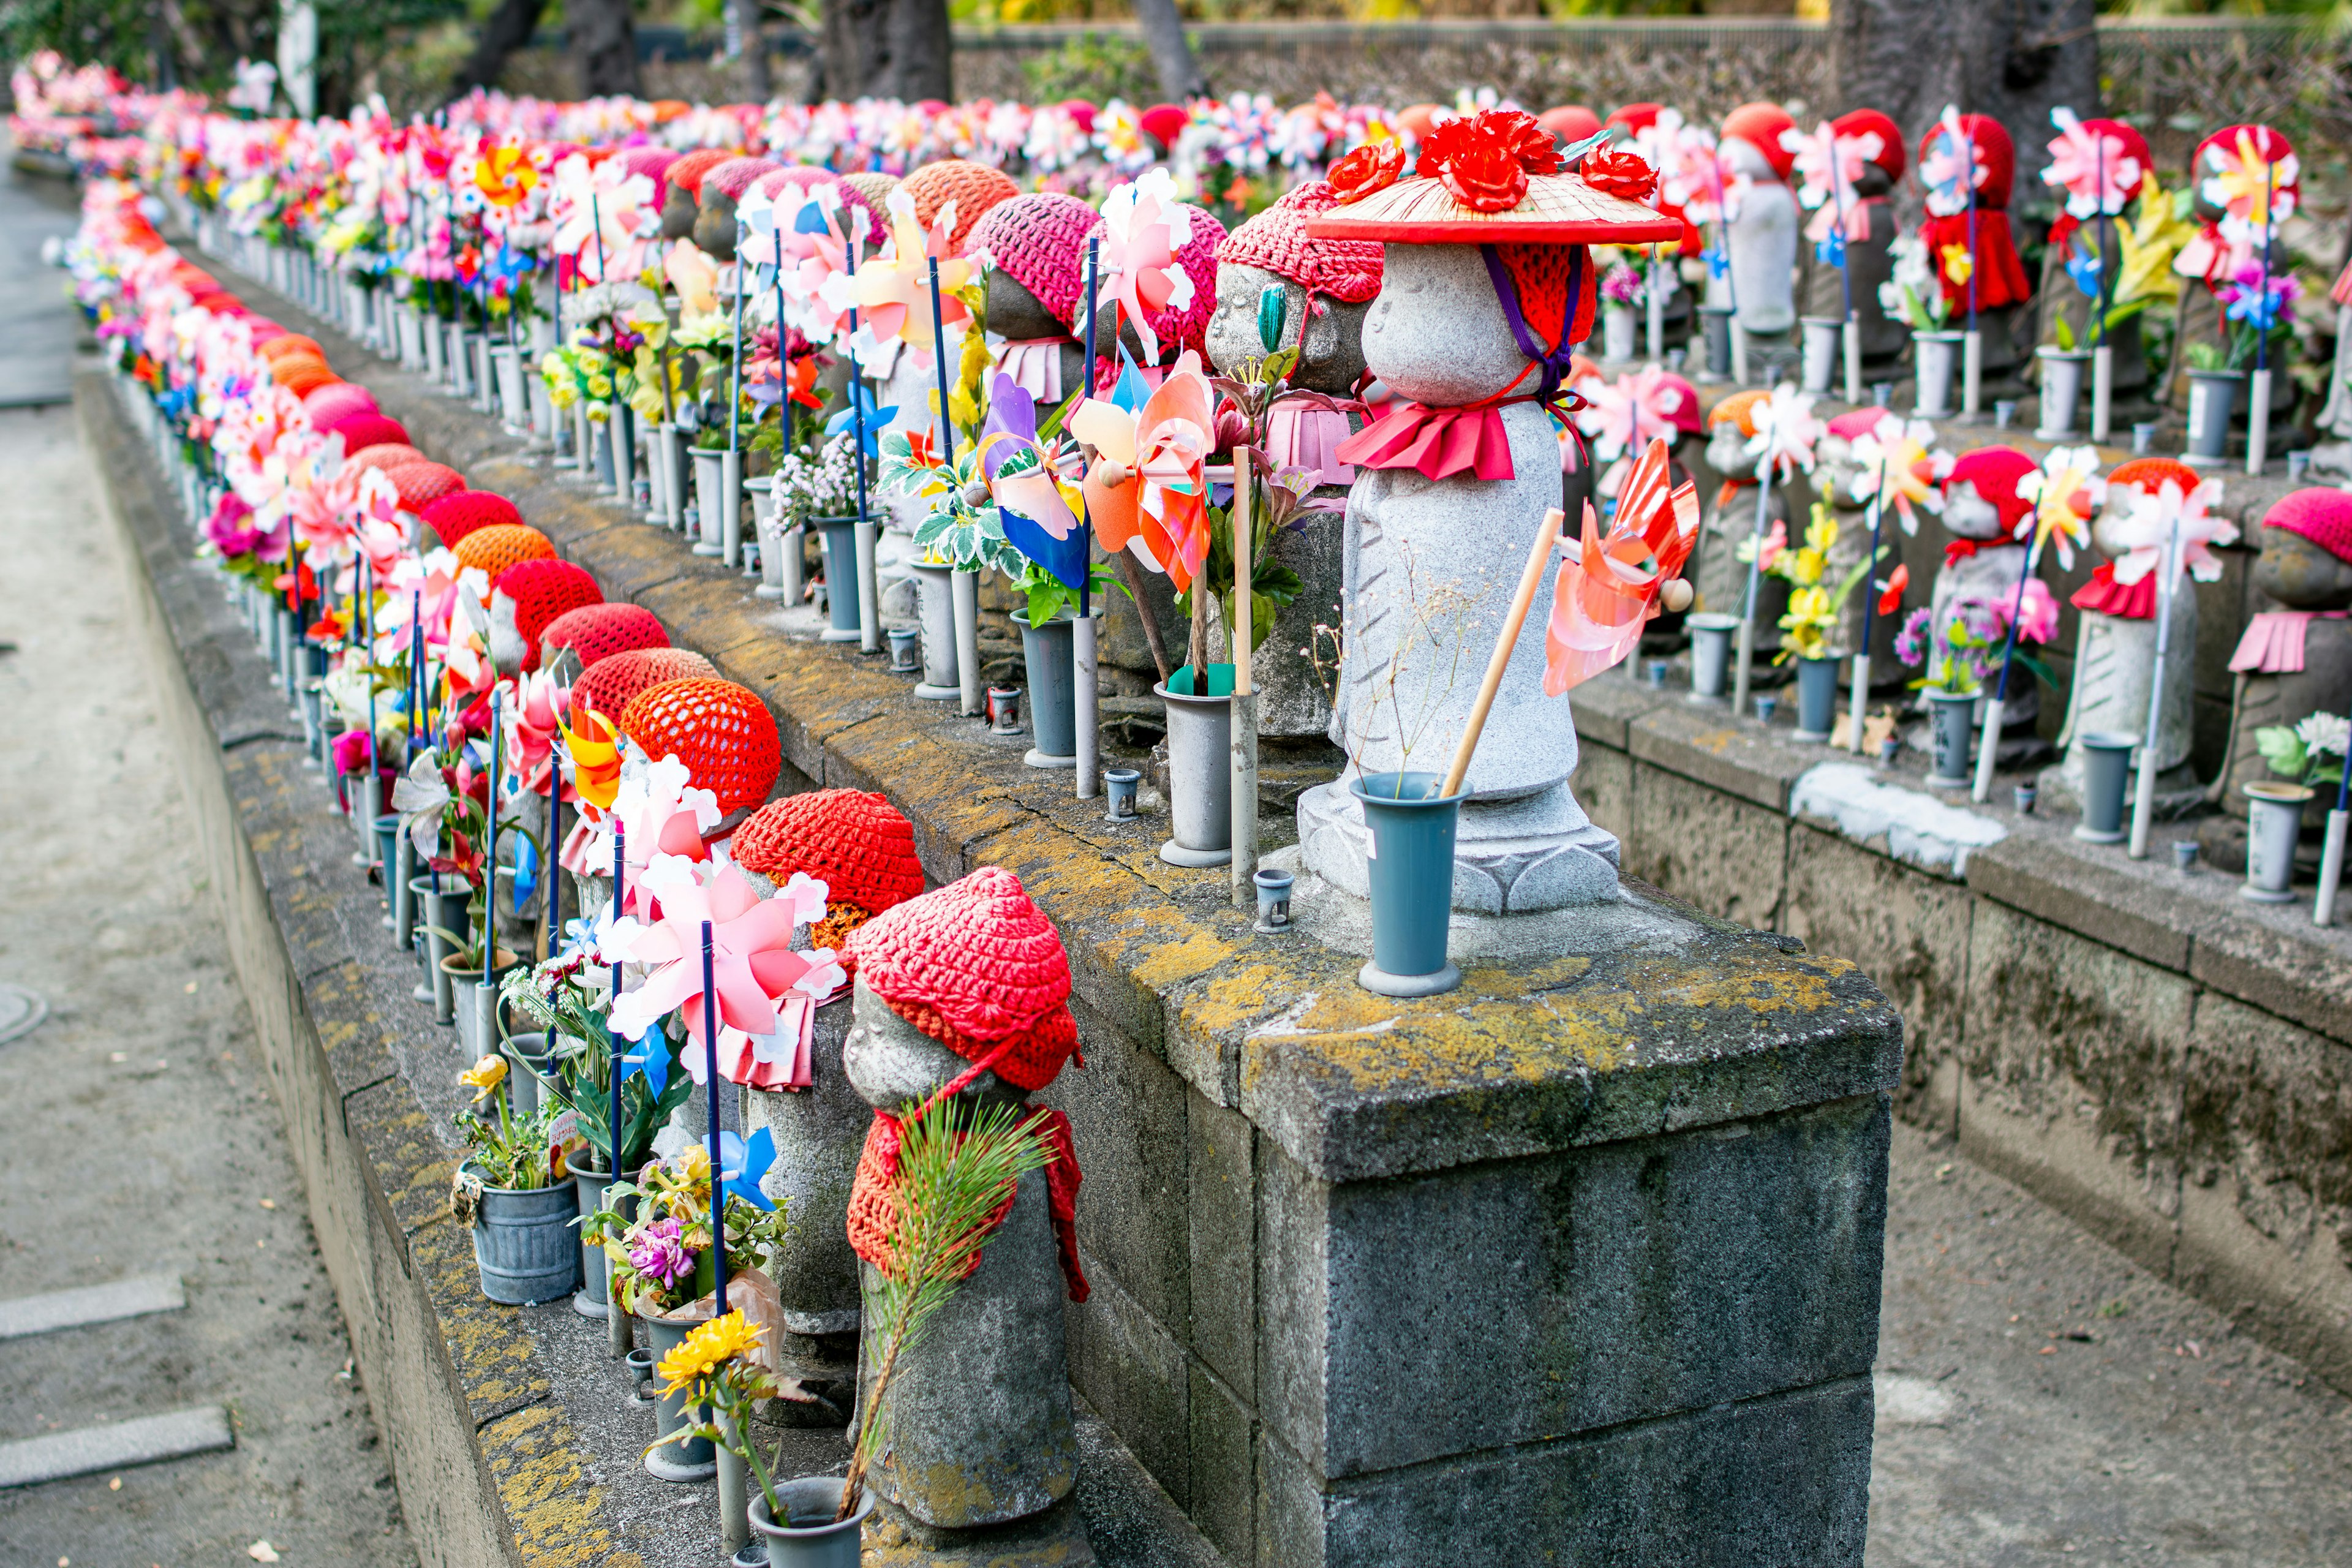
(144, 1440)
(108, 1303)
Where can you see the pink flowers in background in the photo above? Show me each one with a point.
(2037, 612)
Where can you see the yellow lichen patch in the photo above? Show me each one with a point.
(543, 1481)
(1549, 975)
(1168, 964)
(1714, 743)
(1238, 995)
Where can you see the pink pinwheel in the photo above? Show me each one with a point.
(1144, 228)
(661, 815)
(1950, 160)
(752, 963)
(2254, 193)
(895, 291)
(813, 251)
(2147, 533)
(533, 721)
(1831, 164)
(1695, 178)
(1894, 465)
(605, 222)
(2094, 168)
(1626, 414)
(382, 537)
(1786, 431)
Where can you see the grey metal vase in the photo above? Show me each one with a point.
(1200, 767)
(525, 1248)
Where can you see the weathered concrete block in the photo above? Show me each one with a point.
(1506, 1303)
(1224, 1464)
(1604, 784)
(1135, 1372)
(1717, 853)
(1126, 1117)
(1221, 1165)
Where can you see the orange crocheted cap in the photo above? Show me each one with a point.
(688, 172)
(422, 484)
(300, 374)
(460, 513)
(596, 632)
(502, 545)
(722, 732)
(613, 681)
(1739, 409)
(2149, 474)
(387, 455)
(541, 590)
(856, 843)
(1039, 240)
(285, 343)
(1275, 241)
(975, 965)
(974, 187)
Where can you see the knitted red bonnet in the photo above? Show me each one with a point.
(460, 513)
(611, 683)
(856, 843)
(1275, 241)
(541, 590)
(598, 631)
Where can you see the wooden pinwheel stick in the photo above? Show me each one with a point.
(1133, 573)
(1547, 540)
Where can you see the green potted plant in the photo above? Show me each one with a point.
(511, 1191)
(1816, 608)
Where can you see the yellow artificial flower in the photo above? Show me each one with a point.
(2146, 248)
(484, 1076)
(710, 1346)
(1958, 265)
(694, 1166)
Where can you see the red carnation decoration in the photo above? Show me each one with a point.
(1374, 167)
(1485, 159)
(1620, 174)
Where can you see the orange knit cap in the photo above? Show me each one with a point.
(686, 173)
(979, 968)
(722, 732)
(856, 843)
(286, 343)
(300, 374)
(2148, 473)
(1739, 408)
(974, 187)
(613, 681)
(502, 545)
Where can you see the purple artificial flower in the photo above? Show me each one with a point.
(1911, 642)
(659, 1256)
(229, 528)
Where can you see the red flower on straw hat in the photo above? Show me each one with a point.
(1620, 174)
(1485, 160)
(1374, 167)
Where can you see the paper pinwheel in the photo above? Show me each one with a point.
(1952, 167)
(894, 292)
(1610, 584)
(2146, 532)
(2094, 168)
(1146, 491)
(876, 418)
(1786, 431)
(2065, 491)
(742, 1162)
(2254, 192)
(753, 963)
(1893, 465)
(1831, 164)
(1144, 228)
(1032, 498)
(1624, 416)
(504, 176)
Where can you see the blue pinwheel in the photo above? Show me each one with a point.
(649, 1056)
(1830, 251)
(876, 419)
(742, 1164)
(1719, 261)
(2085, 269)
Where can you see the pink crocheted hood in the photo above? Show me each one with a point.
(1275, 241)
(1039, 241)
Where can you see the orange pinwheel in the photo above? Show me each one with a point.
(1610, 585)
(1146, 491)
(595, 751)
(505, 176)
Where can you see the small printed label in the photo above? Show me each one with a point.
(2198, 393)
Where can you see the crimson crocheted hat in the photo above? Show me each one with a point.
(421, 484)
(1760, 125)
(1870, 121)
(334, 401)
(733, 177)
(541, 590)
(386, 455)
(1275, 241)
(598, 631)
(1856, 423)
(1996, 152)
(2148, 473)
(1039, 240)
(686, 173)
(613, 682)
(975, 965)
(361, 431)
(975, 188)
(800, 176)
(2324, 516)
(722, 732)
(856, 843)
(502, 545)
(454, 516)
(1994, 471)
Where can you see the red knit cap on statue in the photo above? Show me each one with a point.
(686, 173)
(1275, 241)
(2147, 475)
(422, 484)
(387, 455)
(336, 400)
(2324, 516)
(362, 431)
(494, 548)
(976, 966)
(540, 591)
(975, 188)
(1760, 125)
(613, 681)
(856, 843)
(1858, 122)
(1994, 471)
(596, 632)
(722, 732)
(1995, 154)
(460, 513)
(1039, 240)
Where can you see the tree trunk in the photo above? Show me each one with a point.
(1181, 77)
(505, 30)
(2012, 59)
(605, 45)
(755, 49)
(887, 49)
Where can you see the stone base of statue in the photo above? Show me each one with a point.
(1054, 1539)
(1517, 855)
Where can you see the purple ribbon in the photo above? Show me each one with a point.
(1555, 361)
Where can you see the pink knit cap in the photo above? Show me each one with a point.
(1179, 330)
(1856, 422)
(800, 176)
(1275, 241)
(334, 401)
(734, 177)
(1039, 241)
(2324, 516)
(653, 164)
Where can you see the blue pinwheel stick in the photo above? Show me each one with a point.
(1085, 519)
(612, 1036)
(490, 863)
(710, 1082)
